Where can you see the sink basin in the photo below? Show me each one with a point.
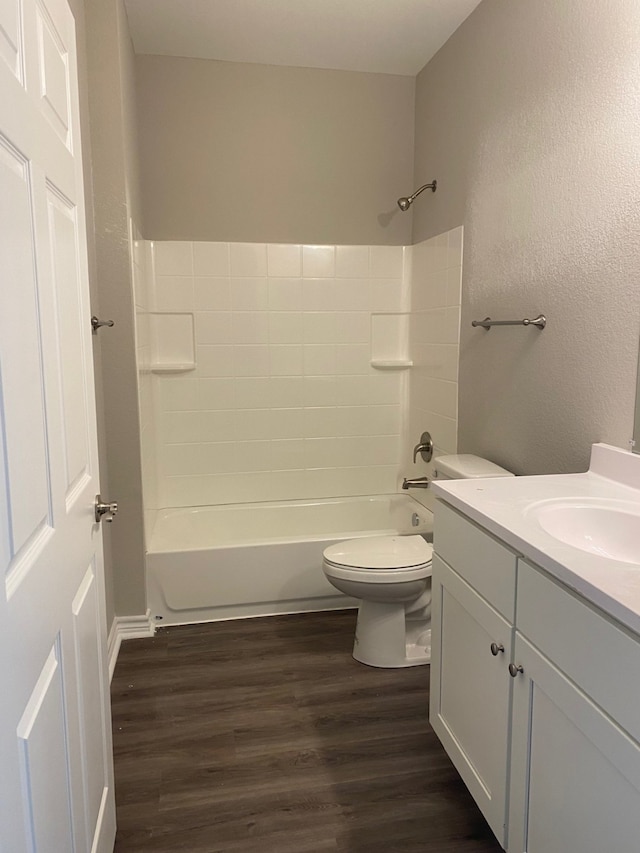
(609, 529)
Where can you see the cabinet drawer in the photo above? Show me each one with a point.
(595, 653)
(481, 560)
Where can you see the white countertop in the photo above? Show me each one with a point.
(503, 506)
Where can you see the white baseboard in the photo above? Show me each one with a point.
(127, 628)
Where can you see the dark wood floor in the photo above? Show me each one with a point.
(265, 735)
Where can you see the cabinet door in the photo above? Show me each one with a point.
(575, 774)
(470, 689)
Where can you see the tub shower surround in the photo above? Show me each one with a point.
(142, 277)
(283, 403)
(434, 346)
(285, 373)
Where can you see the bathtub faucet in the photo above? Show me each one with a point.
(416, 483)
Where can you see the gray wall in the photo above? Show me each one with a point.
(261, 153)
(77, 8)
(528, 117)
(115, 198)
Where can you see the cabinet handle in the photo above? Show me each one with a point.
(496, 649)
(515, 670)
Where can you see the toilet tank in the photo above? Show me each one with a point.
(466, 466)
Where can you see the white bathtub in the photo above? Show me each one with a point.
(236, 561)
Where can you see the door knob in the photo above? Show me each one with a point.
(515, 670)
(496, 649)
(105, 511)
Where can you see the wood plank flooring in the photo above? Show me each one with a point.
(264, 735)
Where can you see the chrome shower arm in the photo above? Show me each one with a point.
(432, 186)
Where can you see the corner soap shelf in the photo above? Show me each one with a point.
(391, 363)
(170, 367)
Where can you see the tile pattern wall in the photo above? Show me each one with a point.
(283, 403)
(142, 281)
(434, 343)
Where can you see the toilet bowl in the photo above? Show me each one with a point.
(391, 575)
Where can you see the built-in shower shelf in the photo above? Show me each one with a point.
(181, 367)
(391, 364)
(390, 341)
(173, 348)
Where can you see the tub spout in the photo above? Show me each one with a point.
(416, 483)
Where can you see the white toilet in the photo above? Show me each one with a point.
(391, 577)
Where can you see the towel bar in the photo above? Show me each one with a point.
(540, 321)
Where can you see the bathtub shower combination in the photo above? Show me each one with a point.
(235, 561)
(279, 385)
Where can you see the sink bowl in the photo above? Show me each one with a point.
(609, 529)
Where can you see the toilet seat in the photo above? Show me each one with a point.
(378, 576)
(380, 552)
(380, 559)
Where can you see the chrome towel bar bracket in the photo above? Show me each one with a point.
(96, 324)
(540, 321)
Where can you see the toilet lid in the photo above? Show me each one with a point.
(380, 552)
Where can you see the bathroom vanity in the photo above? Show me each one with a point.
(535, 674)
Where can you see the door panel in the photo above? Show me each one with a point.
(88, 655)
(575, 774)
(64, 254)
(475, 734)
(41, 735)
(29, 516)
(10, 40)
(53, 75)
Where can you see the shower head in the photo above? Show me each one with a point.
(405, 202)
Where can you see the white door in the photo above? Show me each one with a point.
(56, 779)
(575, 774)
(470, 689)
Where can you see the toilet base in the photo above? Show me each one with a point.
(387, 637)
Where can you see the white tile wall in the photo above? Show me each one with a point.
(283, 403)
(434, 337)
(142, 274)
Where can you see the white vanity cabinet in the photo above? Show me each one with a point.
(473, 610)
(550, 751)
(575, 757)
(470, 690)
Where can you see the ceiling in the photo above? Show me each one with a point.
(381, 36)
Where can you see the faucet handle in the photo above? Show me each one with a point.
(424, 448)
